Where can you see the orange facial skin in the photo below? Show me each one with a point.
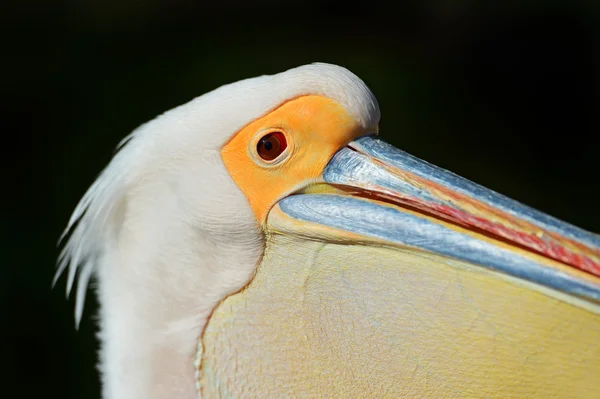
(315, 128)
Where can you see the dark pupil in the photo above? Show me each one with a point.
(268, 145)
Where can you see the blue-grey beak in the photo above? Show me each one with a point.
(387, 194)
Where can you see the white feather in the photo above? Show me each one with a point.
(168, 234)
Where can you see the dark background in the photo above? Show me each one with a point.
(503, 93)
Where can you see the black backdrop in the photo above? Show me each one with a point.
(504, 94)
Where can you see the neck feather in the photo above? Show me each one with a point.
(157, 287)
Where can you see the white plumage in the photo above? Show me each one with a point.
(168, 234)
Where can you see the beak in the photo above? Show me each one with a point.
(375, 193)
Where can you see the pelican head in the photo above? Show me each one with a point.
(262, 241)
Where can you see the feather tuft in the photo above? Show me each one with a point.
(86, 236)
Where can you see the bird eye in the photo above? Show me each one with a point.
(271, 146)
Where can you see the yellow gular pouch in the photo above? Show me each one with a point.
(315, 128)
(324, 320)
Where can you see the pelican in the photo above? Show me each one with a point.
(262, 241)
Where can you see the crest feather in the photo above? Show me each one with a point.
(85, 237)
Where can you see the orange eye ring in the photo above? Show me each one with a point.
(271, 145)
